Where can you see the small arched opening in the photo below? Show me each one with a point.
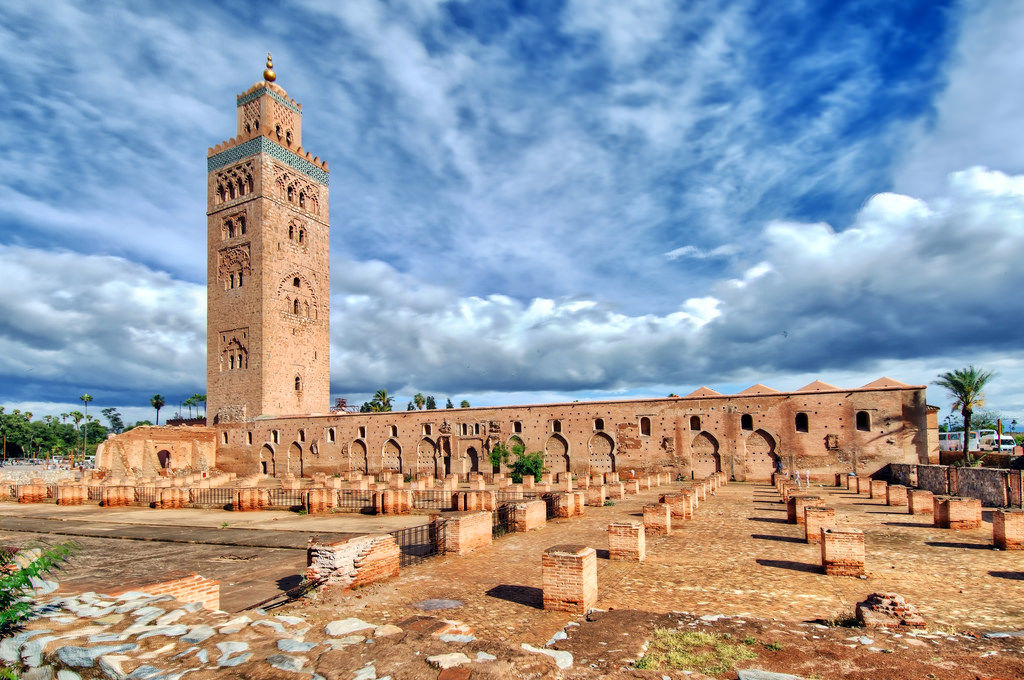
(164, 459)
(645, 426)
(863, 421)
(746, 422)
(801, 422)
(695, 423)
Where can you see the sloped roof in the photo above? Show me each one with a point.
(818, 386)
(884, 381)
(704, 391)
(759, 389)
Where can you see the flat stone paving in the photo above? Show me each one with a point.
(739, 556)
(258, 555)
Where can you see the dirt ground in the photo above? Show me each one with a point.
(737, 563)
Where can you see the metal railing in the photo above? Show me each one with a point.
(502, 520)
(144, 495)
(432, 499)
(420, 542)
(353, 499)
(213, 496)
(285, 498)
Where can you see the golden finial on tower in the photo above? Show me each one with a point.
(268, 73)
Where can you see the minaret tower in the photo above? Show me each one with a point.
(268, 275)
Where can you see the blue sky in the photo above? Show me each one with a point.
(530, 201)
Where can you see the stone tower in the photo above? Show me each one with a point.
(267, 345)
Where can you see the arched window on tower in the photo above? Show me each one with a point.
(231, 281)
(295, 306)
(863, 421)
(291, 195)
(298, 384)
(302, 200)
(645, 426)
(277, 130)
(302, 235)
(241, 224)
(801, 423)
(239, 279)
(291, 232)
(288, 137)
(746, 422)
(296, 282)
(694, 422)
(598, 423)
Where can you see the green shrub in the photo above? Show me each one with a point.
(526, 464)
(16, 588)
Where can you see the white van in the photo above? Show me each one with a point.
(954, 441)
(1007, 443)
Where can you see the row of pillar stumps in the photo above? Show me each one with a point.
(570, 571)
(842, 548)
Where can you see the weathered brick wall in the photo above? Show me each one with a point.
(147, 450)
(465, 532)
(356, 441)
(186, 589)
(355, 562)
(987, 484)
(934, 478)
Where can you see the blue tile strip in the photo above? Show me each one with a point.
(264, 145)
(242, 101)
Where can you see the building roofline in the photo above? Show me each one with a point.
(602, 402)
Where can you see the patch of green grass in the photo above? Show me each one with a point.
(749, 640)
(772, 646)
(223, 525)
(706, 653)
(609, 503)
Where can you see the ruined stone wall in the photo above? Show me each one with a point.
(692, 435)
(147, 450)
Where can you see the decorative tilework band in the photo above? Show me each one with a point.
(264, 145)
(242, 101)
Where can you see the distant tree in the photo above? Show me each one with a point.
(965, 386)
(86, 398)
(201, 399)
(673, 395)
(410, 406)
(114, 418)
(430, 403)
(365, 408)
(419, 400)
(190, 401)
(449, 404)
(464, 404)
(526, 464)
(157, 401)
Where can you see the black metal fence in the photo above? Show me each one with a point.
(285, 498)
(432, 499)
(550, 501)
(502, 520)
(512, 496)
(215, 496)
(144, 495)
(355, 500)
(420, 542)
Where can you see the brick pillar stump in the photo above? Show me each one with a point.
(816, 518)
(626, 542)
(1007, 529)
(878, 488)
(529, 515)
(611, 478)
(679, 505)
(920, 502)
(958, 513)
(633, 486)
(940, 511)
(581, 503)
(896, 495)
(467, 531)
(616, 490)
(842, 552)
(797, 503)
(570, 578)
(658, 519)
(864, 485)
(596, 496)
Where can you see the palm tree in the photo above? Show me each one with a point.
(63, 417)
(188, 402)
(77, 417)
(28, 416)
(419, 400)
(965, 386)
(383, 400)
(157, 401)
(201, 399)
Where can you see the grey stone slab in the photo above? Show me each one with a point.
(85, 657)
(285, 662)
